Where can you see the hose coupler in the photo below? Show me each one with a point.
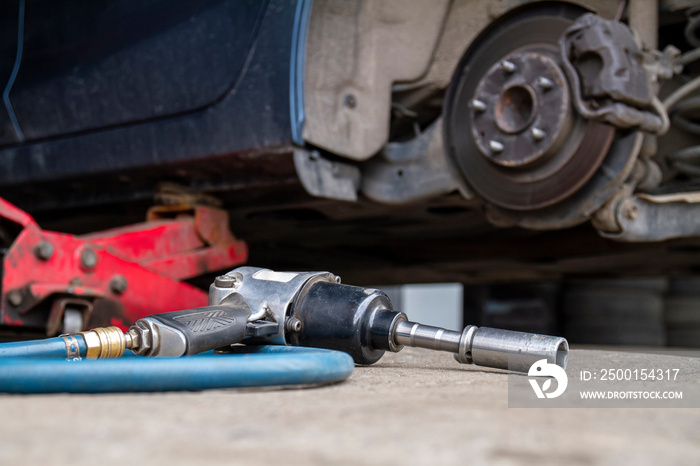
(106, 342)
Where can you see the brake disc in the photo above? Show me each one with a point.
(513, 135)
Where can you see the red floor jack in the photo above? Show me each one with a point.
(59, 283)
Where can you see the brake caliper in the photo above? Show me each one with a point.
(610, 83)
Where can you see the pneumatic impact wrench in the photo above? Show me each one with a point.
(259, 306)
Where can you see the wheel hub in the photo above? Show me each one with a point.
(519, 109)
(513, 135)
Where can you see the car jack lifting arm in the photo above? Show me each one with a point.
(259, 306)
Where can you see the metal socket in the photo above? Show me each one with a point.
(483, 346)
(516, 351)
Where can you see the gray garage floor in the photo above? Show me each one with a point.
(415, 407)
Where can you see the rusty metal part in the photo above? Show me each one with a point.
(530, 179)
(615, 169)
(645, 217)
(609, 81)
(608, 60)
(526, 110)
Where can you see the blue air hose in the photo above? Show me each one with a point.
(47, 348)
(22, 372)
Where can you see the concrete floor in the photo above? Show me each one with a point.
(415, 407)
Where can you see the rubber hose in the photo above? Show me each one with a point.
(46, 348)
(257, 367)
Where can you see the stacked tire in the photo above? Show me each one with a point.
(615, 311)
(683, 312)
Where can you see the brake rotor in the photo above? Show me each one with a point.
(509, 124)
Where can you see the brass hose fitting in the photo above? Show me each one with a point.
(105, 342)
